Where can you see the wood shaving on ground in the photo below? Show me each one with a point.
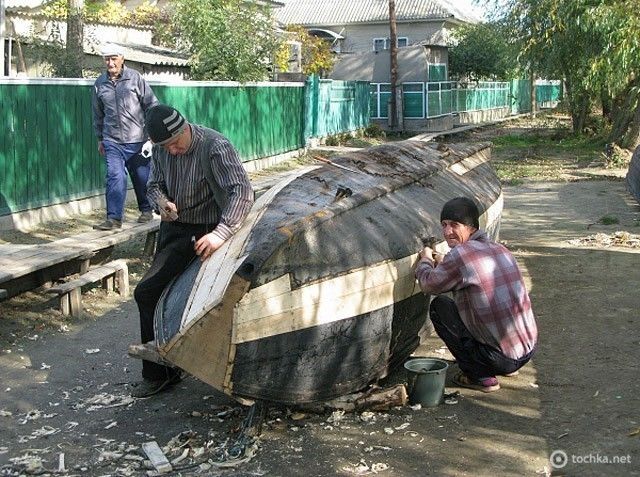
(103, 401)
(617, 239)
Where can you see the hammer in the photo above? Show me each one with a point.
(431, 243)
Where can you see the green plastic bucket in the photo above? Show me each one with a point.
(426, 380)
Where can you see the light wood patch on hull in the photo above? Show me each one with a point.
(274, 308)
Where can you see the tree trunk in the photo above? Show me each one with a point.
(625, 117)
(606, 101)
(534, 103)
(578, 106)
(393, 50)
(74, 48)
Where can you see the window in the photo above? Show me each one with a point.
(380, 44)
(437, 72)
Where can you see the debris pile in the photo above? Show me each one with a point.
(617, 239)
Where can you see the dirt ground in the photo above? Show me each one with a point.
(65, 382)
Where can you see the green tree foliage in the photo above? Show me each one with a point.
(107, 11)
(482, 52)
(317, 57)
(226, 39)
(592, 44)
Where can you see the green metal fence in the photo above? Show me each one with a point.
(334, 106)
(483, 96)
(48, 151)
(439, 98)
(548, 93)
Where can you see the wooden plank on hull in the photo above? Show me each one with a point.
(274, 309)
(471, 162)
(204, 349)
(333, 308)
(213, 276)
(355, 280)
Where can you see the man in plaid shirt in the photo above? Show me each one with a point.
(489, 325)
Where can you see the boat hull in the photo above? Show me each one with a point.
(316, 297)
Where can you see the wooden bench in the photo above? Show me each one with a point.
(26, 267)
(70, 293)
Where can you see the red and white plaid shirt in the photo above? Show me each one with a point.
(489, 291)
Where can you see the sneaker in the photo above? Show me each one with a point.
(486, 385)
(145, 217)
(148, 387)
(109, 224)
(511, 375)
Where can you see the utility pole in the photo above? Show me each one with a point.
(2, 34)
(393, 51)
(75, 47)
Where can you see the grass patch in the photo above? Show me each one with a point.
(609, 220)
(543, 154)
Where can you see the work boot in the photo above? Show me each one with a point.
(145, 217)
(109, 224)
(148, 387)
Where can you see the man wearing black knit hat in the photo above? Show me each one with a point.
(203, 195)
(489, 326)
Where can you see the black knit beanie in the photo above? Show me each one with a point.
(461, 210)
(163, 123)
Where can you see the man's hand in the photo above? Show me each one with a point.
(207, 245)
(431, 254)
(100, 148)
(147, 149)
(426, 252)
(168, 212)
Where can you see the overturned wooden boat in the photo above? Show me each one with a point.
(633, 175)
(315, 296)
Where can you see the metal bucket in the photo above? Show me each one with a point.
(426, 380)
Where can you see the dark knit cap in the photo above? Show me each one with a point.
(461, 210)
(163, 123)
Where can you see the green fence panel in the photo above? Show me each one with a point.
(258, 120)
(48, 151)
(340, 106)
(413, 100)
(521, 96)
(547, 93)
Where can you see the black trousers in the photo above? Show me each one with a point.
(174, 252)
(475, 359)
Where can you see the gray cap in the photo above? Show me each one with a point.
(112, 49)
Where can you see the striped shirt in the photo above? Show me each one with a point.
(181, 180)
(488, 290)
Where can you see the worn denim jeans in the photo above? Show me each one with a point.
(120, 159)
(475, 359)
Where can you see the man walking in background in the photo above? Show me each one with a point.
(121, 97)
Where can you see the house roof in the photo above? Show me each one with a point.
(152, 55)
(341, 12)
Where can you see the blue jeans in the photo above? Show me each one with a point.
(476, 360)
(120, 159)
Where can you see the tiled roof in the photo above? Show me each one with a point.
(342, 12)
(152, 55)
